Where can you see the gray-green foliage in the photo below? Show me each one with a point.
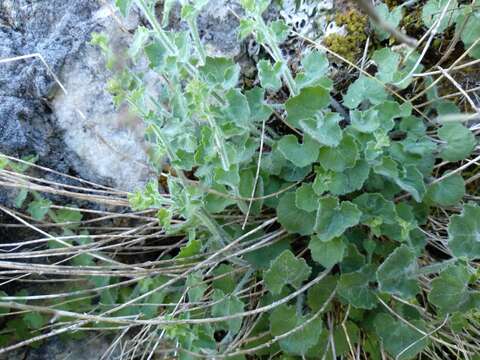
(351, 189)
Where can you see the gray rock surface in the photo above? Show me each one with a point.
(36, 117)
(90, 348)
(27, 124)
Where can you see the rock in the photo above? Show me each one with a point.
(109, 142)
(91, 347)
(36, 117)
(217, 26)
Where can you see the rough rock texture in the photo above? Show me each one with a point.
(36, 117)
(109, 142)
(27, 124)
(218, 27)
(90, 348)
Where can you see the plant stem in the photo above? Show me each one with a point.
(192, 23)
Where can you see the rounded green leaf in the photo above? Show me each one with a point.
(327, 253)
(433, 9)
(284, 319)
(320, 292)
(306, 104)
(400, 340)
(450, 291)
(286, 269)
(460, 141)
(354, 288)
(300, 155)
(324, 128)
(293, 219)
(364, 88)
(398, 273)
(334, 218)
(305, 198)
(447, 192)
(464, 233)
(342, 157)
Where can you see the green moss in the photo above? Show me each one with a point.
(349, 46)
(412, 21)
(392, 3)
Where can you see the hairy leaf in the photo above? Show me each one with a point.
(432, 11)
(398, 273)
(354, 288)
(459, 141)
(286, 269)
(447, 192)
(305, 198)
(342, 157)
(324, 128)
(334, 218)
(364, 88)
(400, 340)
(299, 154)
(464, 233)
(225, 306)
(292, 218)
(306, 104)
(270, 75)
(284, 319)
(393, 18)
(320, 292)
(387, 64)
(450, 291)
(327, 253)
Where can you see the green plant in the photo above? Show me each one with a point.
(307, 228)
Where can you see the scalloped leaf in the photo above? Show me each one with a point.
(400, 340)
(334, 218)
(270, 75)
(286, 269)
(305, 198)
(460, 141)
(285, 318)
(324, 128)
(306, 104)
(364, 88)
(448, 192)
(464, 233)
(300, 155)
(450, 291)
(292, 218)
(354, 288)
(432, 11)
(319, 293)
(398, 273)
(327, 253)
(342, 157)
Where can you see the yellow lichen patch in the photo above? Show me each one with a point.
(350, 45)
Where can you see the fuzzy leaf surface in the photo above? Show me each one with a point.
(464, 233)
(334, 218)
(286, 269)
(292, 218)
(398, 273)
